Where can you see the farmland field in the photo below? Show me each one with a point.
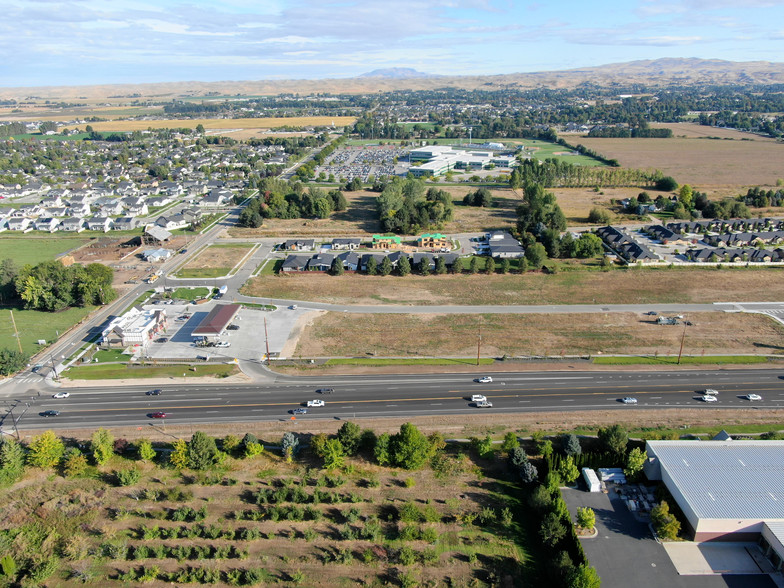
(455, 335)
(28, 249)
(259, 520)
(224, 124)
(738, 159)
(632, 286)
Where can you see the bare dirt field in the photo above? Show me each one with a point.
(633, 286)
(743, 160)
(215, 257)
(440, 335)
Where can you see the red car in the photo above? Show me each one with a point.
(157, 415)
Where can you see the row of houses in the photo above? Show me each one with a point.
(353, 261)
(626, 246)
(725, 226)
(428, 240)
(718, 254)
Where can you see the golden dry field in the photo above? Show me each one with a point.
(219, 256)
(632, 286)
(224, 124)
(455, 335)
(735, 161)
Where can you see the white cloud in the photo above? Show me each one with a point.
(290, 40)
(175, 28)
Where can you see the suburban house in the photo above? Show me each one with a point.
(135, 327)
(625, 246)
(46, 224)
(349, 244)
(321, 262)
(99, 223)
(503, 245)
(299, 245)
(125, 223)
(156, 255)
(295, 263)
(170, 223)
(18, 224)
(386, 242)
(433, 241)
(350, 260)
(73, 225)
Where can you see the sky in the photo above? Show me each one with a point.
(85, 42)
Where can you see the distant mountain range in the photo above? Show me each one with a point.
(661, 72)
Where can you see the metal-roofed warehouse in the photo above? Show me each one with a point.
(726, 489)
(216, 321)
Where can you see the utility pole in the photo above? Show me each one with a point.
(16, 333)
(683, 338)
(478, 344)
(266, 339)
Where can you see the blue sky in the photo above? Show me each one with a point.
(76, 42)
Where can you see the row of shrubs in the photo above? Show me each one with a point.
(183, 514)
(181, 552)
(198, 532)
(199, 575)
(299, 495)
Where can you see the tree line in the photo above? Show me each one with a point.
(554, 173)
(405, 206)
(281, 199)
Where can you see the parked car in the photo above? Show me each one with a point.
(49, 413)
(316, 403)
(61, 395)
(223, 344)
(293, 307)
(325, 391)
(708, 398)
(233, 328)
(300, 411)
(484, 404)
(162, 340)
(651, 313)
(478, 398)
(484, 380)
(156, 392)
(753, 397)
(157, 415)
(629, 400)
(709, 392)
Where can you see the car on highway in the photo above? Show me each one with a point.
(629, 400)
(157, 415)
(753, 397)
(484, 380)
(708, 398)
(478, 398)
(300, 411)
(223, 344)
(325, 391)
(156, 392)
(316, 403)
(61, 395)
(709, 392)
(484, 404)
(49, 413)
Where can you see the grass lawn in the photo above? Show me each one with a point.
(34, 325)
(34, 250)
(105, 355)
(140, 300)
(115, 372)
(190, 293)
(204, 272)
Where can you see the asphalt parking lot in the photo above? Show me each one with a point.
(625, 553)
(247, 343)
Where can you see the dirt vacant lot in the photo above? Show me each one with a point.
(744, 160)
(226, 124)
(632, 286)
(224, 256)
(440, 335)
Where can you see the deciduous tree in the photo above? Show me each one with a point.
(45, 451)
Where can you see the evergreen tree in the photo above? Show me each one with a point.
(371, 268)
(202, 451)
(349, 435)
(102, 446)
(404, 266)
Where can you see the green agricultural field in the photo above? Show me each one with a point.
(545, 150)
(34, 325)
(36, 249)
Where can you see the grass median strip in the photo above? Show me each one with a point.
(123, 371)
(407, 361)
